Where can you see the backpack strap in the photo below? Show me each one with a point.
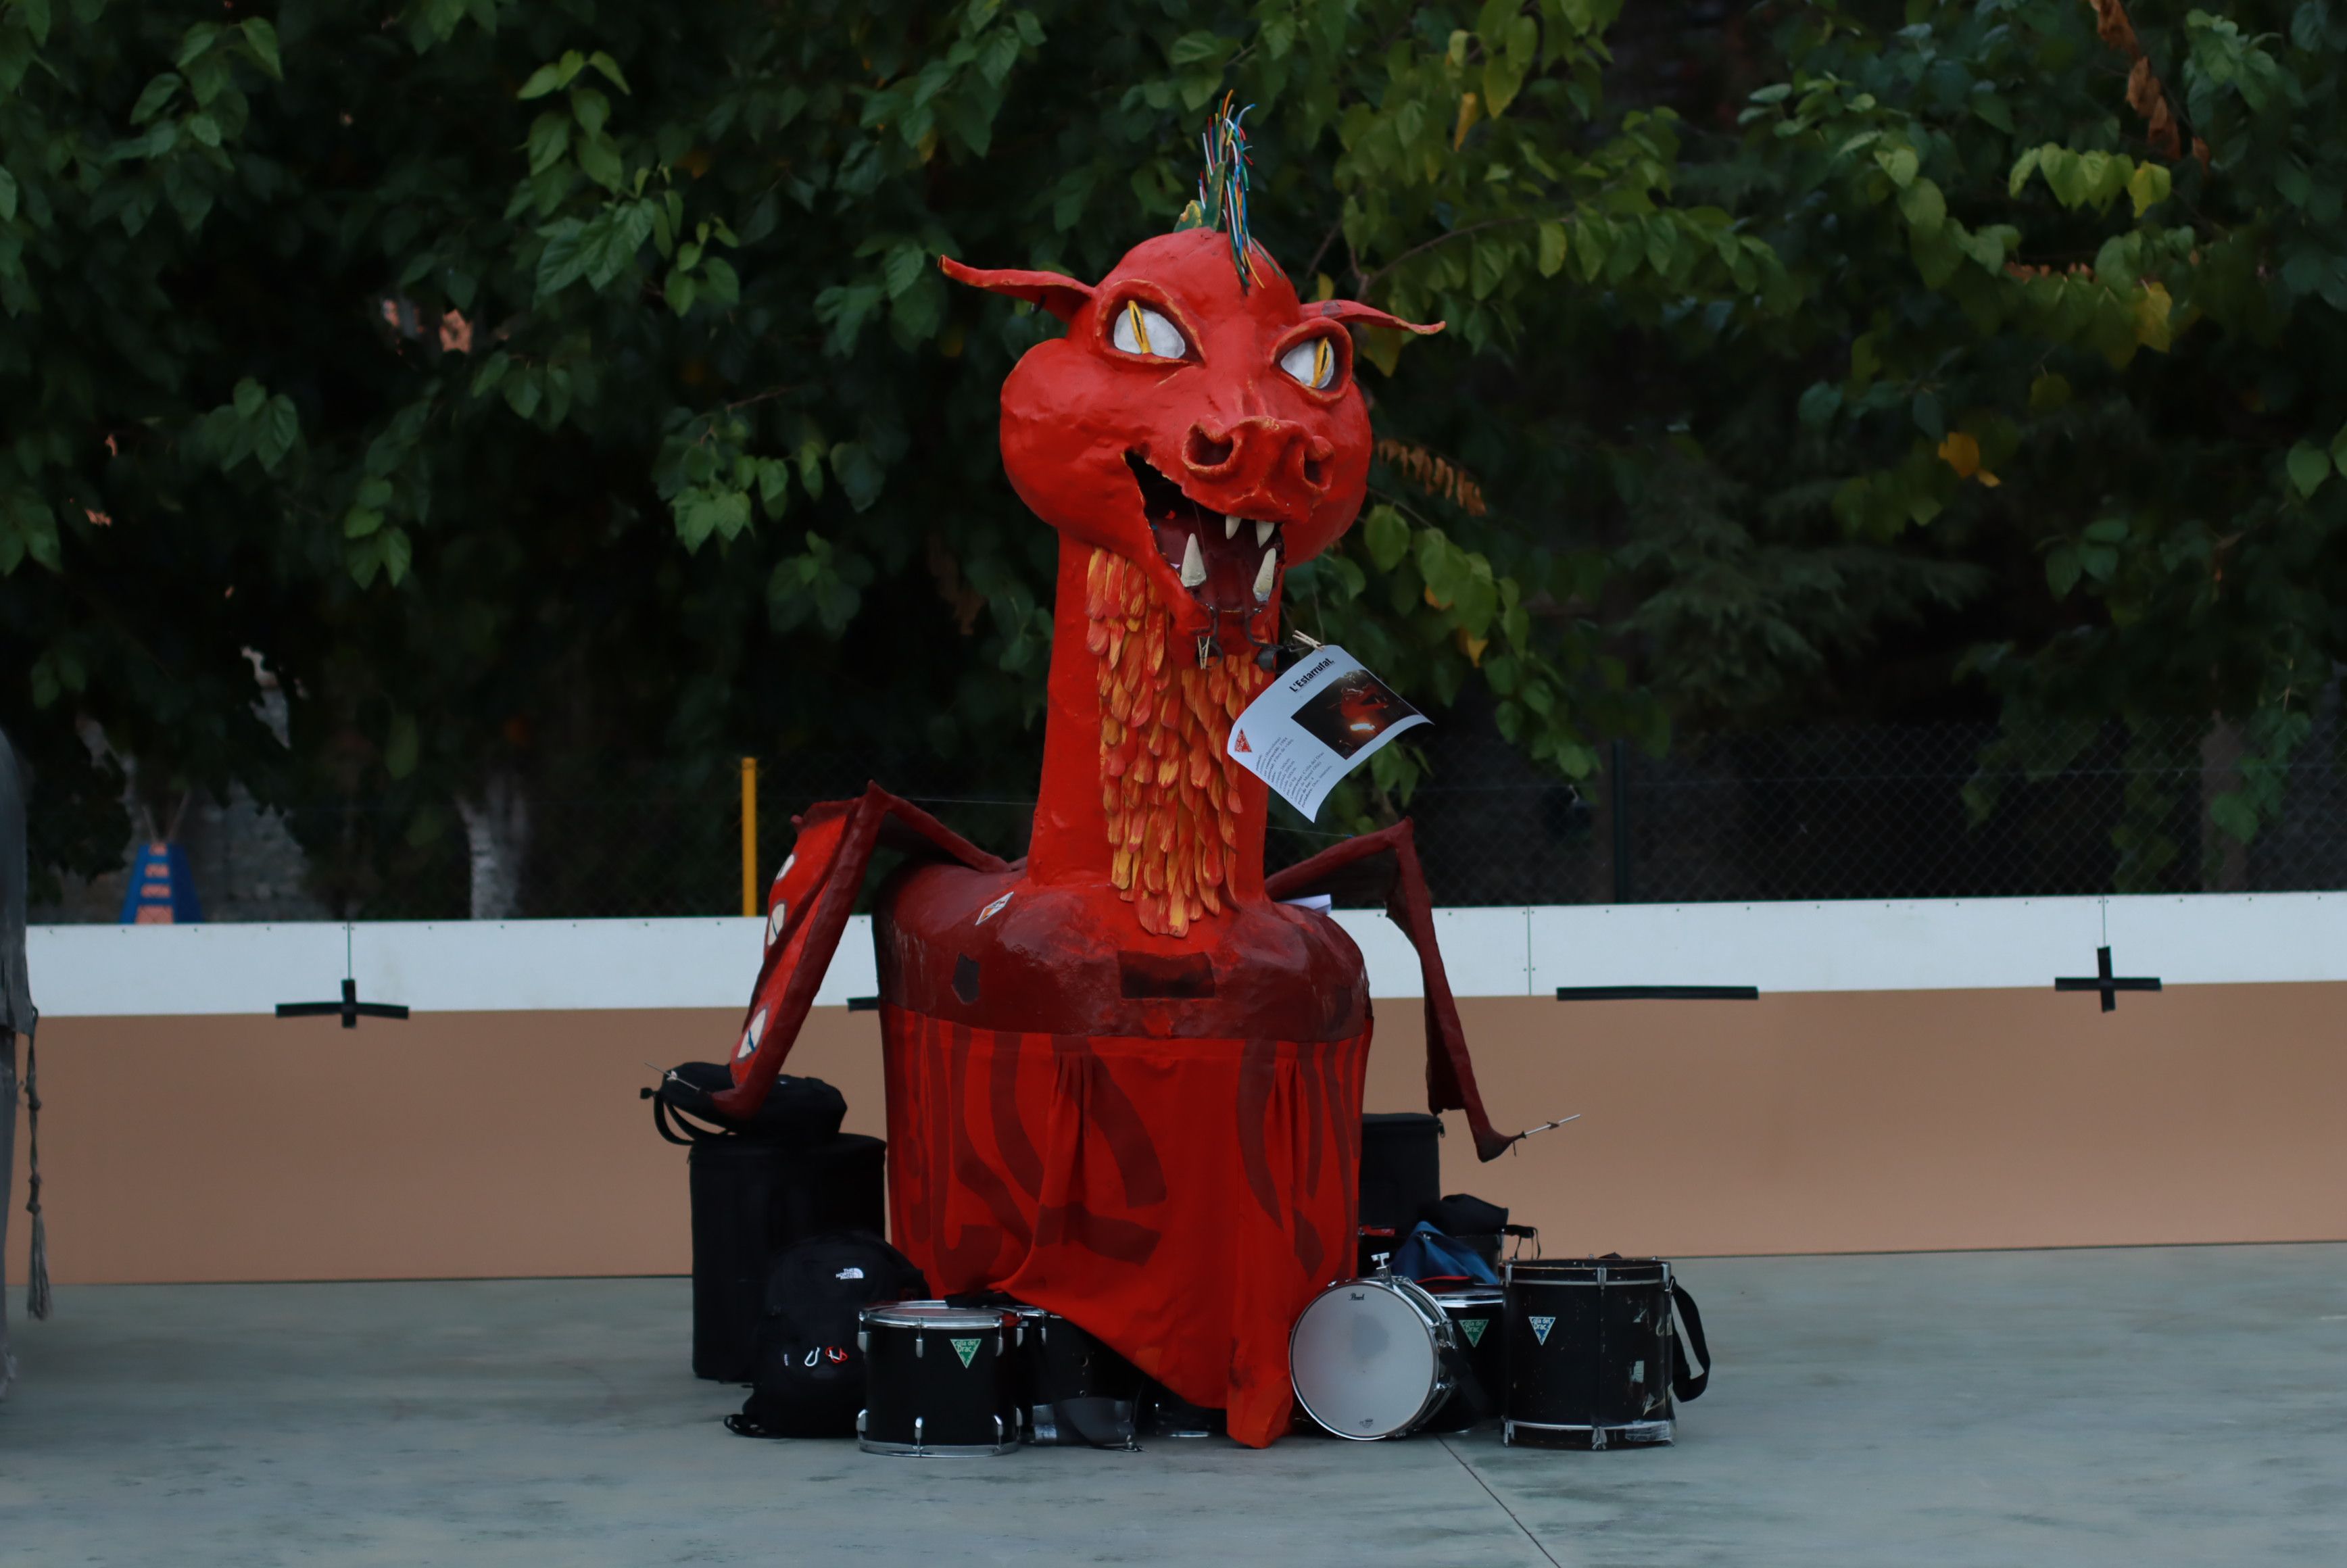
(693, 1131)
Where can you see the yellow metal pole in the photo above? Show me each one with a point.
(749, 836)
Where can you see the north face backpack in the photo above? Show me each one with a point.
(809, 1374)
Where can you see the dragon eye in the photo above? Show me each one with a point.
(1312, 361)
(1140, 330)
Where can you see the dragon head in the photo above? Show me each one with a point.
(1207, 428)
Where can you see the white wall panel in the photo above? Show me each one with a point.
(1917, 945)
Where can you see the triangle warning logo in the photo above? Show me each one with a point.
(1541, 1326)
(1474, 1326)
(1238, 743)
(966, 1348)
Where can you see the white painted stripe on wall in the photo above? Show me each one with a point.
(1936, 944)
(1911, 945)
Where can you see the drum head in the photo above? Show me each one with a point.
(1364, 1361)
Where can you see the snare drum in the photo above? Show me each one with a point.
(938, 1379)
(1477, 1319)
(1590, 1347)
(1073, 1389)
(1369, 1357)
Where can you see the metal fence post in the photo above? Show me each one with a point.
(1620, 768)
(750, 835)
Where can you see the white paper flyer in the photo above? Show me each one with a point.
(1316, 723)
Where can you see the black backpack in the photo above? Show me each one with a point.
(800, 1111)
(809, 1374)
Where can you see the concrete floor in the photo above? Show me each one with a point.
(2170, 1406)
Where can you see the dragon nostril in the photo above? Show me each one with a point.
(1205, 451)
(1316, 470)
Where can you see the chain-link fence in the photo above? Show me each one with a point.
(1947, 810)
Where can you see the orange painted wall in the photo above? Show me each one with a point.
(514, 1143)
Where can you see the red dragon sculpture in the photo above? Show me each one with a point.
(1124, 1079)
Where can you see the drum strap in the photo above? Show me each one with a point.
(1467, 1388)
(1686, 1385)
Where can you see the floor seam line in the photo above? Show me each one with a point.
(1495, 1497)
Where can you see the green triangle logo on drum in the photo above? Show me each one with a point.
(1541, 1326)
(964, 1348)
(1473, 1328)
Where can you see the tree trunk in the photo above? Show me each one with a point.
(496, 835)
(2224, 859)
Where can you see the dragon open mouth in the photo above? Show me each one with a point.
(1229, 564)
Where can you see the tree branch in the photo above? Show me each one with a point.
(1371, 282)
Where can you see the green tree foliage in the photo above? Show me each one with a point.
(2074, 287)
(530, 384)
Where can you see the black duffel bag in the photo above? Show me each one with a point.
(809, 1381)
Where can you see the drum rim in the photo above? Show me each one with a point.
(937, 1451)
(1553, 1271)
(1480, 1296)
(1438, 1329)
(934, 1315)
(1538, 1263)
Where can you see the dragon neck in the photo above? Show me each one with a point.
(1138, 791)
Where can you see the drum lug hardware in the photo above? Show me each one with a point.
(917, 1444)
(919, 1340)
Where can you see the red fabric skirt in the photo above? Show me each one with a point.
(1182, 1199)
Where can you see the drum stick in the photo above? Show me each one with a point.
(1546, 1125)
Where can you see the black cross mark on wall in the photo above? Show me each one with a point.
(2103, 980)
(350, 1009)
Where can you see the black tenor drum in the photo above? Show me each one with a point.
(938, 1379)
(1371, 1358)
(1477, 1319)
(1073, 1389)
(1591, 1351)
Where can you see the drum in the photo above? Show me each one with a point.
(1073, 1389)
(1476, 1318)
(1369, 1357)
(1589, 1347)
(938, 1379)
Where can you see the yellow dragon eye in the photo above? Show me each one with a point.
(1141, 331)
(1313, 362)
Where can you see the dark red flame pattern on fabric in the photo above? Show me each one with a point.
(1036, 1165)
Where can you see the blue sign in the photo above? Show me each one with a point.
(162, 890)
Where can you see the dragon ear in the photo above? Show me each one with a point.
(1353, 311)
(1061, 296)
